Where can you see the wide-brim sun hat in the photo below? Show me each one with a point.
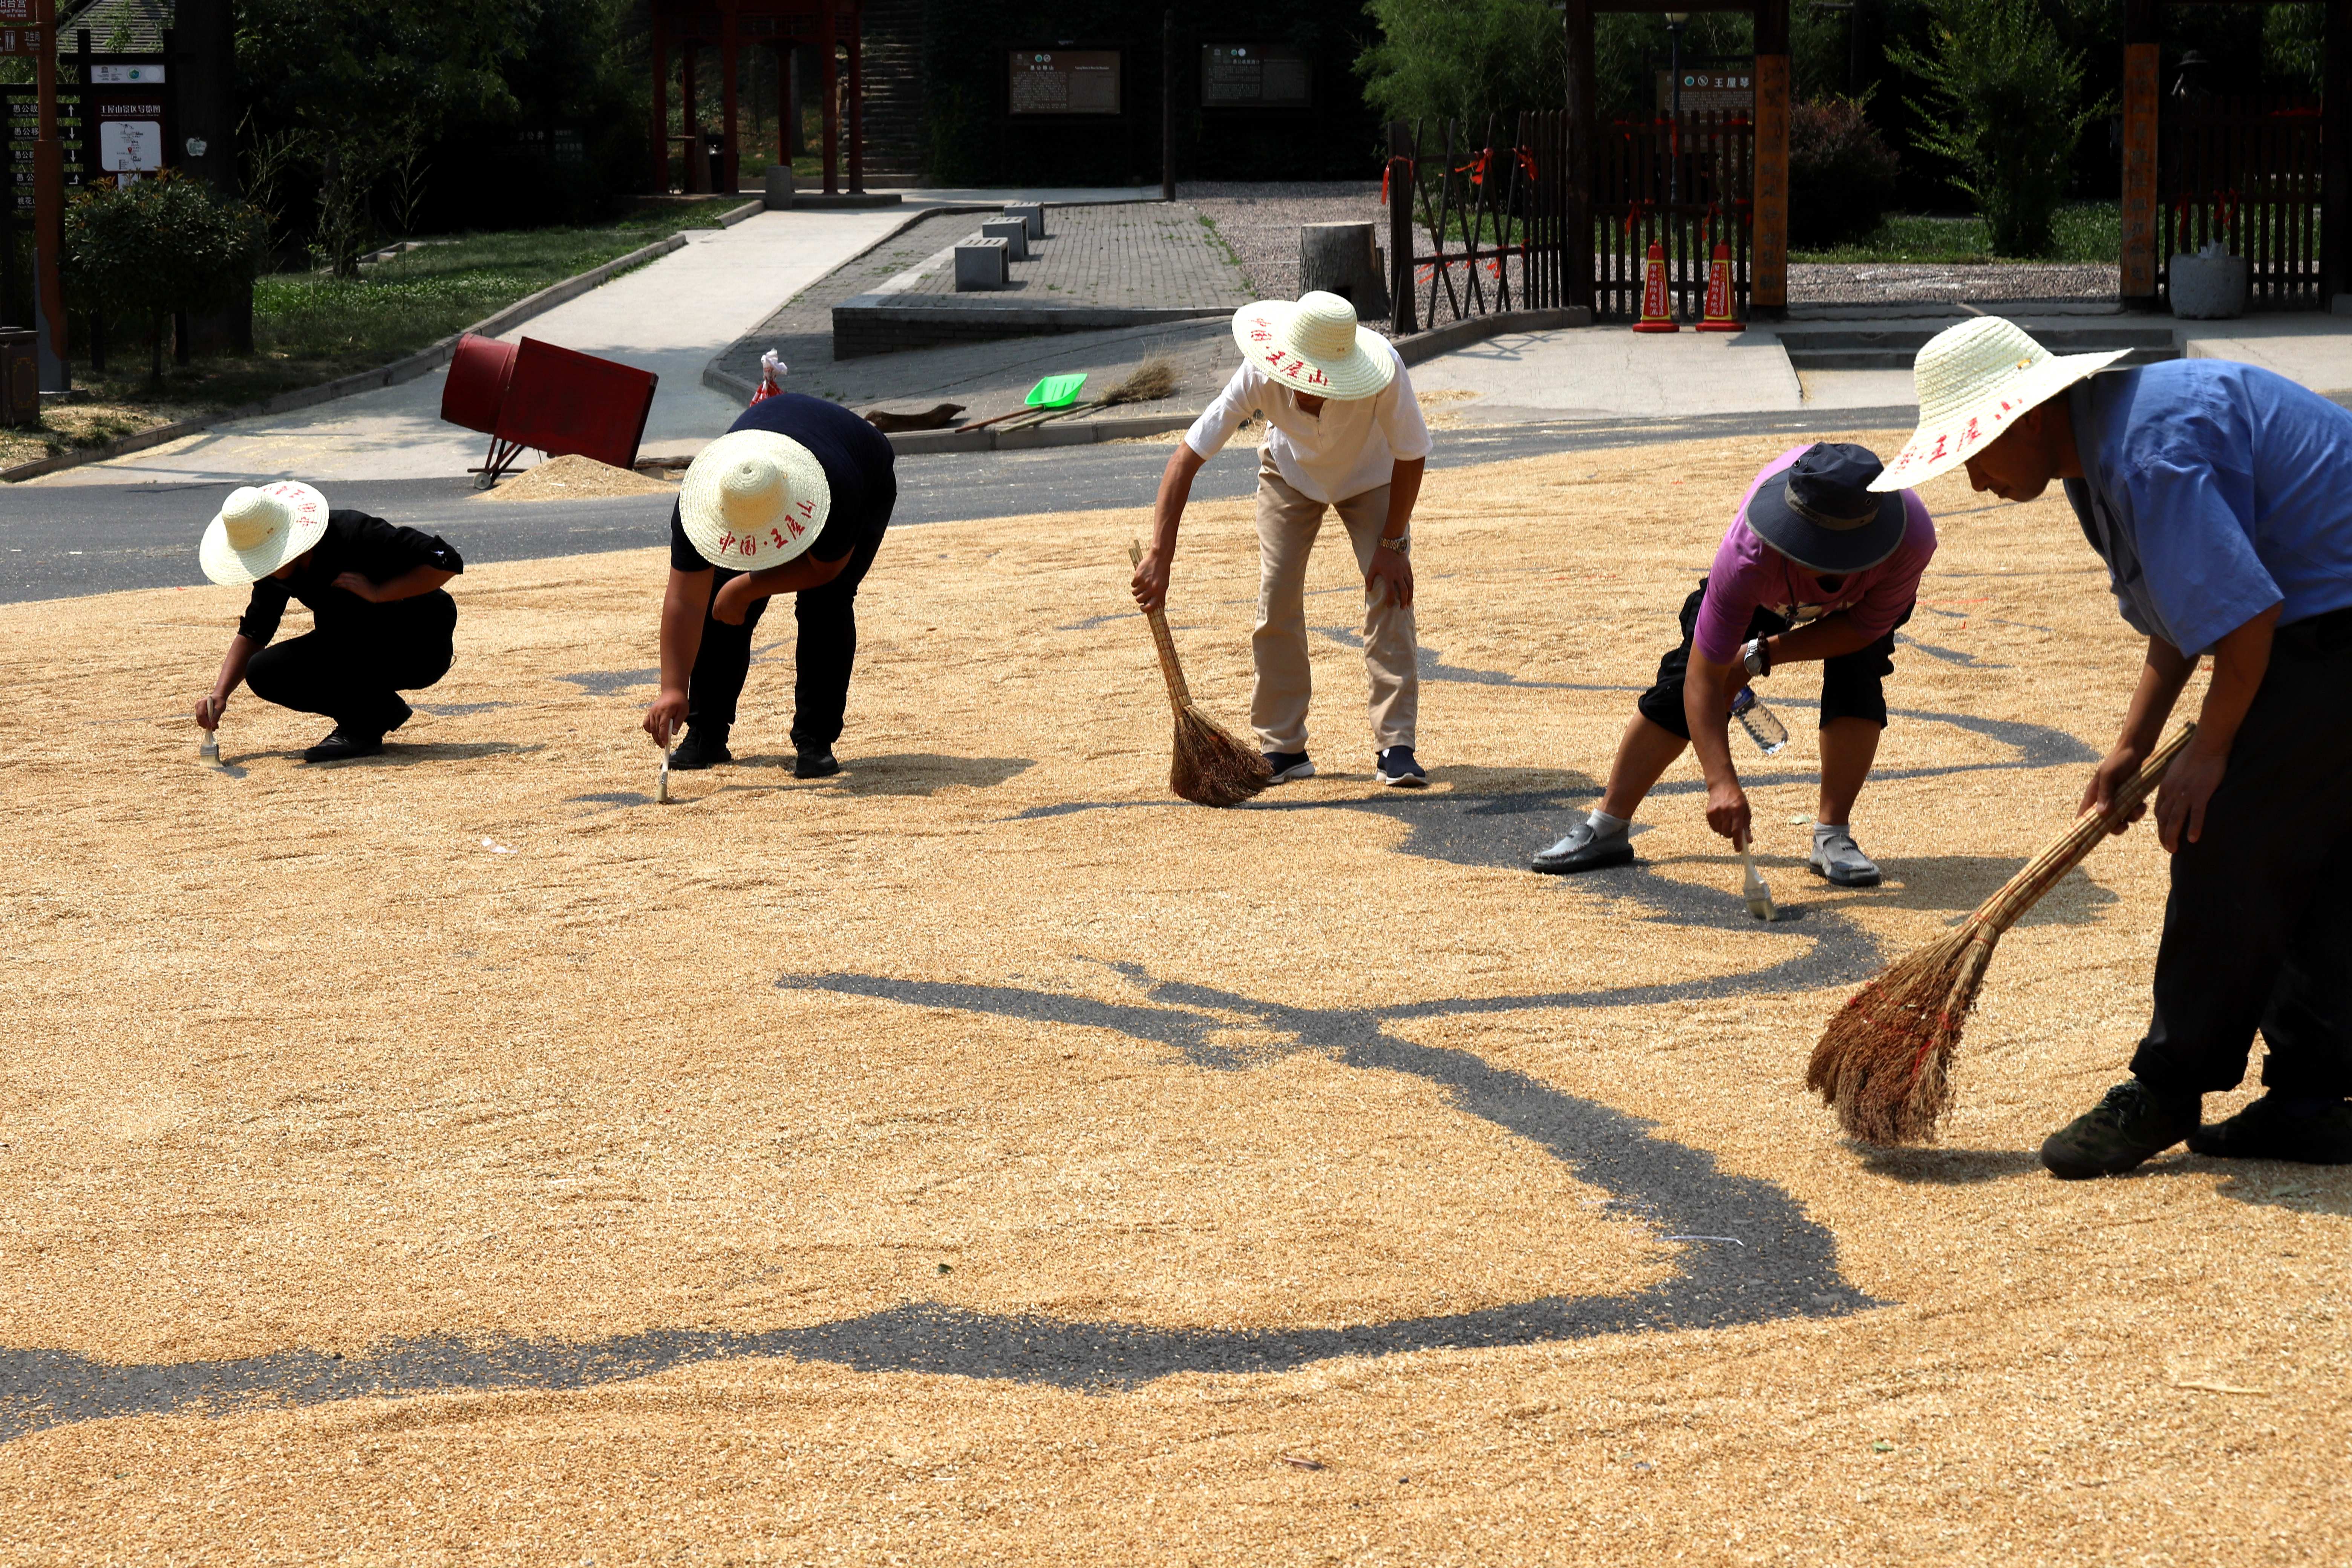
(1821, 513)
(1315, 346)
(753, 500)
(1972, 380)
(258, 529)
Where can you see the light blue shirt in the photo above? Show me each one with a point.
(2214, 490)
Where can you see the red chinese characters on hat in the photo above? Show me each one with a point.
(1261, 333)
(777, 537)
(726, 542)
(1970, 436)
(1942, 439)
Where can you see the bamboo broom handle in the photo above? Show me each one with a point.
(1179, 696)
(2070, 849)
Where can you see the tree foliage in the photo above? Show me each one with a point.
(1462, 59)
(164, 244)
(1842, 172)
(2004, 103)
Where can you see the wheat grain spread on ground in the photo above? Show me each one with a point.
(979, 1156)
(574, 477)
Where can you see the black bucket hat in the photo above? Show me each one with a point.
(1821, 512)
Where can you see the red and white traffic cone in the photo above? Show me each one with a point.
(1658, 314)
(1718, 317)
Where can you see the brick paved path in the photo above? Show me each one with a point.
(1138, 254)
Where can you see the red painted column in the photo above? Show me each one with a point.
(828, 36)
(857, 100)
(661, 106)
(725, 177)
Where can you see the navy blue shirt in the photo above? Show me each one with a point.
(377, 550)
(859, 467)
(2214, 492)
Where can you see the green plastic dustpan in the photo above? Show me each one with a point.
(1056, 391)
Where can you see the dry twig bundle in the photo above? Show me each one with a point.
(1883, 1063)
(1210, 767)
(1150, 382)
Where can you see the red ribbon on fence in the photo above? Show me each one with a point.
(1527, 160)
(1476, 168)
(1633, 214)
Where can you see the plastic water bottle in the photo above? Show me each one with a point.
(1763, 726)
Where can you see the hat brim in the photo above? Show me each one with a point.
(1261, 332)
(1938, 447)
(234, 568)
(780, 540)
(1825, 552)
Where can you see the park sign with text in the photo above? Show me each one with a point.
(1709, 91)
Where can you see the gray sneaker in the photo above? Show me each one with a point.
(1840, 859)
(1580, 851)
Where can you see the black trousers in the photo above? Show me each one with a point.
(827, 651)
(354, 678)
(2258, 927)
(1852, 684)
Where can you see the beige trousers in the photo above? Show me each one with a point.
(1287, 523)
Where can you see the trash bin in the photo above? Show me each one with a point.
(780, 187)
(20, 377)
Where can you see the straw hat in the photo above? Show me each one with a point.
(259, 530)
(753, 499)
(1972, 380)
(1315, 346)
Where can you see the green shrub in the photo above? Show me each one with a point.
(1842, 173)
(156, 245)
(2003, 104)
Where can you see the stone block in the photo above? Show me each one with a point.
(1013, 231)
(982, 263)
(1031, 213)
(778, 196)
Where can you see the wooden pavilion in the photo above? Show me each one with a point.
(832, 28)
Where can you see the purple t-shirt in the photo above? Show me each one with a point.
(1748, 574)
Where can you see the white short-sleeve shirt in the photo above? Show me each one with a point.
(1343, 451)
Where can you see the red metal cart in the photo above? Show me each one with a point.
(556, 400)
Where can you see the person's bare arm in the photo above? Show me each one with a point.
(1707, 690)
(1150, 583)
(1829, 637)
(407, 586)
(734, 601)
(2240, 658)
(1390, 566)
(683, 603)
(209, 708)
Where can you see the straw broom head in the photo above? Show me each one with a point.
(1150, 382)
(1209, 766)
(1884, 1063)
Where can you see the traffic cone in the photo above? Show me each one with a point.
(1657, 314)
(1718, 317)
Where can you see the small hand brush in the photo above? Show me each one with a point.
(208, 749)
(1759, 896)
(661, 780)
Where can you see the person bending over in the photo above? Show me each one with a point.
(2216, 495)
(380, 624)
(1344, 433)
(1814, 567)
(794, 498)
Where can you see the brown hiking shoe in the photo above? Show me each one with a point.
(2307, 1131)
(2130, 1124)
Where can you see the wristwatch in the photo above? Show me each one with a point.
(1757, 657)
(1401, 544)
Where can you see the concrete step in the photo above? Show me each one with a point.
(1844, 348)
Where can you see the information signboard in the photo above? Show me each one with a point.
(24, 108)
(1255, 76)
(20, 40)
(129, 138)
(1712, 91)
(1063, 81)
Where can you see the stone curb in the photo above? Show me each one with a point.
(407, 368)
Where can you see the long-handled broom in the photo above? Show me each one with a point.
(1209, 767)
(1883, 1063)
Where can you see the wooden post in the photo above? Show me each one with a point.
(661, 104)
(856, 98)
(1401, 188)
(827, 37)
(1167, 105)
(49, 212)
(2141, 88)
(2335, 157)
(1768, 288)
(727, 177)
(1576, 251)
(689, 118)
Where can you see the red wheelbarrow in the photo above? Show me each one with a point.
(535, 395)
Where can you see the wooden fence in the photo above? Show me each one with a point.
(2245, 172)
(1482, 217)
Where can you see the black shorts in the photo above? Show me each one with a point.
(1850, 683)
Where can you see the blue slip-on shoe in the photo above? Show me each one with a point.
(1396, 768)
(1288, 765)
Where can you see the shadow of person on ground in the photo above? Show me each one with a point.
(1961, 882)
(916, 774)
(1946, 1167)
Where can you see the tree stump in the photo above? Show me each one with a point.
(1342, 259)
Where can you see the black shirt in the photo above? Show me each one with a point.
(377, 550)
(859, 469)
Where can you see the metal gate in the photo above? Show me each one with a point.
(1687, 187)
(2245, 172)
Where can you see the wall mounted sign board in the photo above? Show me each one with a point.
(1063, 81)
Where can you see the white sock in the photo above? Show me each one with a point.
(1829, 829)
(1604, 825)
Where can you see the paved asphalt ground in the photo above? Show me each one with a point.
(64, 541)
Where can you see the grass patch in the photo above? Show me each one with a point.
(2083, 232)
(309, 327)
